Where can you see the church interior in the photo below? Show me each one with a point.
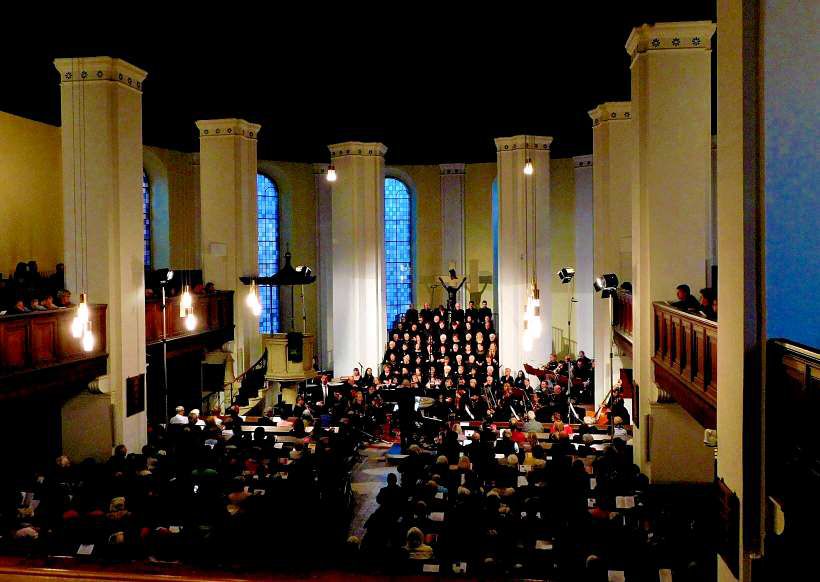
(445, 309)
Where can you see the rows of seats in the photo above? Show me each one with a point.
(529, 508)
(208, 496)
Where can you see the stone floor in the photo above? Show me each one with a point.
(368, 477)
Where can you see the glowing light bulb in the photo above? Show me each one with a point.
(251, 298)
(187, 301)
(256, 309)
(88, 340)
(331, 173)
(528, 169)
(82, 309)
(535, 324)
(527, 342)
(190, 321)
(76, 328)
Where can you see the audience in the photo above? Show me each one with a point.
(686, 301)
(28, 290)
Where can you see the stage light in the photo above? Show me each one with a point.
(566, 274)
(331, 173)
(606, 281)
(528, 169)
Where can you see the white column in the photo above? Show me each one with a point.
(324, 245)
(523, 213)
(613, 147)
(101, 110)
(453, 252)
(359, 320)
(227, 166)
(584, 272)
(671, 110)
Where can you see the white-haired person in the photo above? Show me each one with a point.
(532, 425)
(194, 419)
(180, 417)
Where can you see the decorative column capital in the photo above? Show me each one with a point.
(227, 127)
(522, 142)
(450, 169)
(670, 35)
(74, 70)
(357, 148)
(582, 161)
(320, 169)
(611, 111)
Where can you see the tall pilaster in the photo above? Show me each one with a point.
(523, 245)
(453, 252)
(324, 244)
(227, 168)
(101, 110)
(613, 147)
(358, 272)
(671, 180)
(584, 272)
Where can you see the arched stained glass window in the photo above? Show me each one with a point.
(398, 248)
(146, 219)
(267, 204)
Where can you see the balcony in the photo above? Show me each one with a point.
(685, 360)
(214, 313)
(37, 352)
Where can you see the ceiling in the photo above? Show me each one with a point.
(435, 85)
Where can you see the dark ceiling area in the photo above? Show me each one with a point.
(433, 86)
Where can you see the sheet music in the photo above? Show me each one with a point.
(624, 502)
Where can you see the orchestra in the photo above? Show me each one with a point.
(445, 363)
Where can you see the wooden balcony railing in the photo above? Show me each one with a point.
(622, 313)
(38, 352)
(686, 360)
(214, 313)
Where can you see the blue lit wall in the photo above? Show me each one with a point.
(791, 177)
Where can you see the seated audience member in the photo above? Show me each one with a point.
(686, 301)
(707, 299)
(180, 416)
(57, 280)
(415, 546)
(193, 418)
(64, 298)
(19, 307)
(34, 305)
(532, 425)
(48, 302)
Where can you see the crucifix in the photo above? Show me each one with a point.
(452, 286)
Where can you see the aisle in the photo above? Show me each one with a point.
(368, 477)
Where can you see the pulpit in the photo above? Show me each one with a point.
(284, 363)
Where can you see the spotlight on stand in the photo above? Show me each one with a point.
(566, 274)
(606, 284)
